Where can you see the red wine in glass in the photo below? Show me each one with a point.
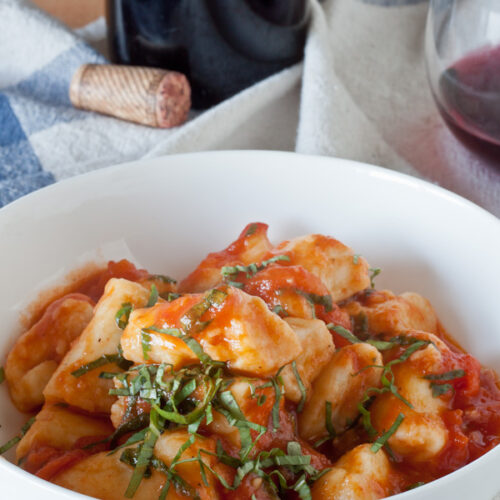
(471, 100)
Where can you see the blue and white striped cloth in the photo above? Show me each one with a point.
(30, 108)
(363, 64)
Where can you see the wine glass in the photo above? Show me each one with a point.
(463, 62)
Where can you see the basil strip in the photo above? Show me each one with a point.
(189, 418)
(366, 418)
(2, 374)
(105, 359)
(328, 420)
(276, 405)
(440, 389)
(302, 388)
(192, 343)
(145, 344)
(143, 459)
(374, 272)
(251, 230)
(451, 375)
(344, 333)
(145, 453)
(415, 485)
(191, 321)
(382, 440)
(252, 269)
(135, 438)
(236, 418)
(163, 278)
(302, 488)
(381, 345)
(153, 296)
(139, 422)
(170, 296)
(279, 310)
(24, 429)
(123, 314)
(317, 300)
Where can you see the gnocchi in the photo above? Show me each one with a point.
(271, 371)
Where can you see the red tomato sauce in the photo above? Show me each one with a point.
(254, 235)
(47, 462)
(93, 286)
(472, 418)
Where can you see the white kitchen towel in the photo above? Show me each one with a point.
(361, 93)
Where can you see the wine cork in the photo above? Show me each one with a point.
(148, 96)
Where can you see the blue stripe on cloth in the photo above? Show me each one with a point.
(42, 100)
(15, 188)
(18, 160)
(11, 131)
(34, 104)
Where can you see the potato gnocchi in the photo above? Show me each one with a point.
(270, 372)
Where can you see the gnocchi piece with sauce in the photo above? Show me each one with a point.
(37, 354)
(271, 372)
(99, 339)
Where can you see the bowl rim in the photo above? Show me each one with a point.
(339, 163)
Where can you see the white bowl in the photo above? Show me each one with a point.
(165, 214)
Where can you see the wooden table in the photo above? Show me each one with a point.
(74, 13)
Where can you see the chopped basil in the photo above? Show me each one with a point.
(451, 375)
(360, 324)
(108, 375)
(381, 345)
(229, 272)
(328, 420)
(235, 284)
(302, 389)
(192, 343)
(317, 300)
(2, 374)
(382, 440)
(170, 296)
(153, 296)
(279, 310)
(127, 427)
(415, 485)
(145, 344)
(191, 321)
(344, 333)
(174, 396)
(123, 314)
(374, 272)
(252, 228)
(440, 389)
(366, 416)
(276, 406)
(144, 455)
(24, 429)
(105, 359)
(162, 278)
(355, 259)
